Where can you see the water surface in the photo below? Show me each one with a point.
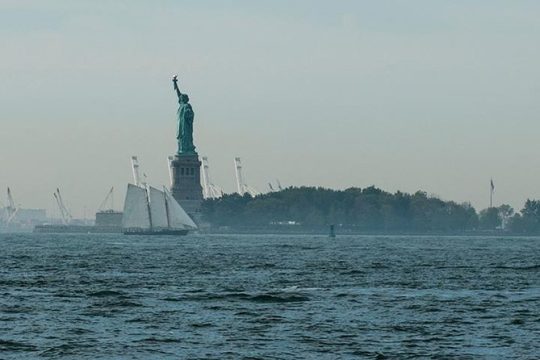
(268, 297)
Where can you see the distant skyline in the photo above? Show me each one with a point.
(405, 95)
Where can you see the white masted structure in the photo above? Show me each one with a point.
(210, 191)
(149, 211)
(241, 185)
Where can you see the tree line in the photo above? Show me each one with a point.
(526, 221)
(365, 210)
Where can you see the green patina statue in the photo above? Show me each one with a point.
(184, 133)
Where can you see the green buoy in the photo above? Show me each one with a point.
(332, 231)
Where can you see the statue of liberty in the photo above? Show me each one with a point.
(184, 133)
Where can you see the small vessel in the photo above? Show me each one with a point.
(149, 211)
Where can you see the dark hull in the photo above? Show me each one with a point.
(156, 232)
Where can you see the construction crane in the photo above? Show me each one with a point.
(135, 168)
(64, 212)
(170, 167)
(109, 199)
(11, 208)
(205, 178)
(210, 190)
(241, 185)
(3, 215)
(239, 180)
(274, 188)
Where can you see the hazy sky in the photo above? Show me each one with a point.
(436, 95)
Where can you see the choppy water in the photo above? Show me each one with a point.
(268, 297)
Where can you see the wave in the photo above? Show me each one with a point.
(269, 297)
(105, 293)
(126, 304)
(9, 345)
(160, 340)
(352, 272)
(70, 348)
(531, 267)
(278, 298)
(16, 309)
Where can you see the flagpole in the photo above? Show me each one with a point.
(491, 188)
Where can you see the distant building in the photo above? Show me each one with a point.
(109, 218)
(23, 220)
(29, 216)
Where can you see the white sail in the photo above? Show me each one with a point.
(136, 215)
(157, 209)
(178, 219)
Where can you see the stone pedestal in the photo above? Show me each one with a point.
(186, 188)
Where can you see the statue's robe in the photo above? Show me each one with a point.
(184, 133)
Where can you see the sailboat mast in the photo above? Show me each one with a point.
(148, 206)
(167, 209)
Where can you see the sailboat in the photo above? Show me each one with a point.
(149, 211)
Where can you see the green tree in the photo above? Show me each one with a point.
(529, 220)
(490, 219)
(505, 212)
(369, 209)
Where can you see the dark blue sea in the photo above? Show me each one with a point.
(268, 297)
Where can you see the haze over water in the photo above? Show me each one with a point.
(426, 95)
(269, 297)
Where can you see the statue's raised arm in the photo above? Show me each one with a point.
(175, 82)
